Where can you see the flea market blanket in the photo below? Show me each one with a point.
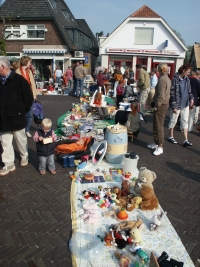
(165, 239)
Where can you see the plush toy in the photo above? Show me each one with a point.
(128, 225)
(91, 214)
(157, 221)
(124, 260)
(109, 239)
(116, 190)
(145, 177)
(136, 236)
(136, 202)
(149, 199)
(125, 188)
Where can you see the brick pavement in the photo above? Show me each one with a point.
(35, 222)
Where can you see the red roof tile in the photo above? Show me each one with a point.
(145, 12)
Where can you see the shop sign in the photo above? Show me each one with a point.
(143, 51)
(86, 66)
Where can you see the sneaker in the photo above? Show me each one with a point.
(152, 146)
(28, 134)
(187, 143)
(42, 172)
(53, 172)
(172, 140)
(24, 162)
(6, 169)
(158, 151)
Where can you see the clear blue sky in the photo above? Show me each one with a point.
(106, 15)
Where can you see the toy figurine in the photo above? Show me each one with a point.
(137, 249)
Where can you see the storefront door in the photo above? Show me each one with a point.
(171, 68)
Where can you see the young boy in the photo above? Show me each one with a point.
(45, 138)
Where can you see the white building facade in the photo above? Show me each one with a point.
(142, 40)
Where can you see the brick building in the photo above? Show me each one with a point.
(49, 34)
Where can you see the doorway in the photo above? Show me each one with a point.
(171, 68)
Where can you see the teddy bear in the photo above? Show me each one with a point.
(149, 199)
(91, 214)
(145, 177)
(136, 202)
(125, 188)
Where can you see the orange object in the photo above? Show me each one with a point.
(72, 176)
(122, 214)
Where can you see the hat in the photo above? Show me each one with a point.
(14, 59)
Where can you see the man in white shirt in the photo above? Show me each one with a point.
(58, 75)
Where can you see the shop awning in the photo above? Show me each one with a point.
(44, 51)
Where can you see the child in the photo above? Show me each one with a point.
(45, 147)
(120, 92)
(133, 122)
(103, 111)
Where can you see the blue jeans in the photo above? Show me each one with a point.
(29, 119)
(70, 82)
(58, 79)
(43, 161)
(79, 83)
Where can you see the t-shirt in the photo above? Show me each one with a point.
(134, 122)
(58, 73)
(184, 97)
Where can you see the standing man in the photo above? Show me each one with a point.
(16, 99)
(143, 84)
(181, 99)
(80, 75)
(69, 75)
(58, 75)
(161, 104)
(73, 92)
(153, 82)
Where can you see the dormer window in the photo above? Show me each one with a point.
(53, 3)
(66, 14)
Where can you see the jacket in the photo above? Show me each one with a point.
(143, 79)
(16, 99)
(47, 149)
(162, 91)
(100, 79)
(175, 98)
(118, 77)
(79, 72)
(195, 88)
(33, 85)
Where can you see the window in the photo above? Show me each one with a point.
(53, 3)
(66, 14)
(144, 36)
(35, 31)
(12, 31)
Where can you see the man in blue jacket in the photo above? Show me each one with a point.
(16, 99)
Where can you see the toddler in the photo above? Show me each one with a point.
(134, 122)
(44, 138)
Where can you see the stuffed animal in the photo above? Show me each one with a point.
(145, 177)
(157, 221)
(124, 260)
(136, 236)
(125, 188)
(128, 225)
(149, 199)
(136, 202)
(116, 190)
(91, 214)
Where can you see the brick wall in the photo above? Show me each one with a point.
(52, 37)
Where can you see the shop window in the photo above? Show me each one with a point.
(144, 36)
(35, 31)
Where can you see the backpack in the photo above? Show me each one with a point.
(37, 112)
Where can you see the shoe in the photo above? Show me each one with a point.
(53, 172)
(24, 162)
(42, 172)
(172, 140)
(28, 134)
(158, 151)
(187, 143)
(152, 146)
(6, 169)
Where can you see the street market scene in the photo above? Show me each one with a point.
(99, 135)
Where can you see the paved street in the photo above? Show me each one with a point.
(35, 222)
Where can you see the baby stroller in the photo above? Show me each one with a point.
(38, 114)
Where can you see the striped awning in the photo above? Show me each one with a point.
(44, 51)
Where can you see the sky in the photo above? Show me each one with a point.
(106, 15)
